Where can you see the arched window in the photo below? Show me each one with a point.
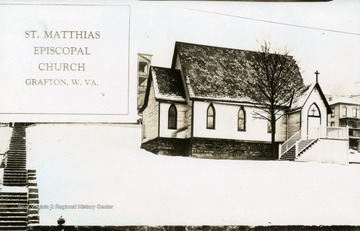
(172, 117)
(210, 117)
(241, 119)
(314, 111)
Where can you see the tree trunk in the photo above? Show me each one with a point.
(273, 132)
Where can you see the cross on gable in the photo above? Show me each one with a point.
(317, 73)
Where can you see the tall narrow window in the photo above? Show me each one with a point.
(241, 119)
(210, 120)
(355, 112)
(332, 111)
(344, 111)
(172, 117)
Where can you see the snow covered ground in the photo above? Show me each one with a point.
(102, 165)
(354, 156)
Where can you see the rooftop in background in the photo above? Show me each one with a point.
(344, 100)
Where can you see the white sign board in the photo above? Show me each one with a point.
(64, 63)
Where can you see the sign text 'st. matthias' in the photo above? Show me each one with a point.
(61, 51)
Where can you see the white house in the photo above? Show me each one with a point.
(198, 107)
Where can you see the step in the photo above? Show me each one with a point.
(14, 197)
(13, 206)
(16, 159)
(15, 162)
(15, 170)
(9, 174)
(14, 200)
(19, 210)
(10, 214)
(16, 152)
(33, 189)
(14, 218)
(14, 193)
(33, 195)
(13, 227)
(13, 223)
(15, 184)
(15, 179)
(32, 210)
(33, 201)
(17, 166)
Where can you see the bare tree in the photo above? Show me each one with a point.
(274, 78)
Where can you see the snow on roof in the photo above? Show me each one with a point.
(168, 84)
(216, 72)
(300, 96)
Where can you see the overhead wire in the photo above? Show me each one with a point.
(272, 22)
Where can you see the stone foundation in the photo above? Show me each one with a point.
(168, 146)
(210, 148)
(230, 149)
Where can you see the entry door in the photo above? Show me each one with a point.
(313, 126)
(314, 121)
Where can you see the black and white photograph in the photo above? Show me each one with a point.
(179, 115)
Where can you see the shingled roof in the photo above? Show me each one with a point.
(215, 72)
(167, 84)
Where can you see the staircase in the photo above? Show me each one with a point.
(13, 210)
(17, 193)
(297, 149)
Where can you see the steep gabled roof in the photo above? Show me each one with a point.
(215, 73)
(168, 85)
(302, 95)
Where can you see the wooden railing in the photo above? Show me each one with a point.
(338, 133)
(289, 143)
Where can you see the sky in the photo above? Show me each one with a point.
(321, 36)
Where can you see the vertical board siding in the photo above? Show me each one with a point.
(150, 117)
(294, 123)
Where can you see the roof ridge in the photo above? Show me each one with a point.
(212, 46)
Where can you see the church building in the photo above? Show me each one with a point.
(199, 108)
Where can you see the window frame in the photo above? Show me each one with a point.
(172, 119)
(332, 112)
(213, 116)
(243, 119)
(344, 111)
(355, 112)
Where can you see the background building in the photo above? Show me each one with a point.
(144, 61)
(346, 112)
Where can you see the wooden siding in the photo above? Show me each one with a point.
(294, 123)
(281, 124)
(226, 123)
(150, 117)
(180, 132)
